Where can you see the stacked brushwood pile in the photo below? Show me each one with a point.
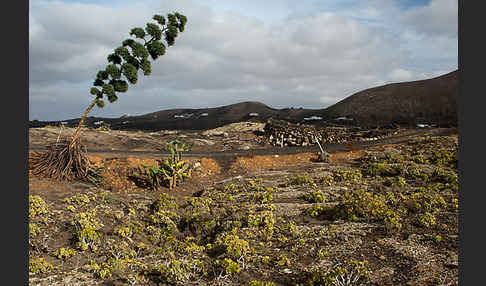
(282, 133)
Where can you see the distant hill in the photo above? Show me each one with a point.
(430, 101)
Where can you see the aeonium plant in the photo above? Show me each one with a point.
(67, 159)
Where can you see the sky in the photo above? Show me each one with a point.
(283, 53)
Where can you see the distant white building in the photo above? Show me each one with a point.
(313, 118)
(253, 114)
(204, 114)
(98, 122)
(343, 118)
(185, 115)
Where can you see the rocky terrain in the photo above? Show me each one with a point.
(381, 213)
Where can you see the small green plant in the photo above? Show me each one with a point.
(265, 220)
(261, 195)
(361, 204)
(169, 171)
(426, 219)
(37, 207)
(316, 210)
(104, 127)
(234, 246)
(350, 272)
(299, 179)
(39, 265)
(172, 271)
(316, 196)
(322, 253)
(353, 176)
(34, 230)
(401, 182)
(165, 222)
(64, 253)
(230, 266)
(382, 169)
(87, 230)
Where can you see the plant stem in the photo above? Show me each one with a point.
(81, 121)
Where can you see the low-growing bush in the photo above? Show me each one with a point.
(87, 230)
(37, 207)
(170, 171)
(39, 265)
(64, 253)
(299, 179)
(316, 196)
(350, 272)
(382, 169)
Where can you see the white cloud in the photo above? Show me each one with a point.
(398, 75)
(438, 18)
(313, 59)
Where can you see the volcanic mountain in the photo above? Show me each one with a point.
(430, 101)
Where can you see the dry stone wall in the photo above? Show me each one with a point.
(282, 133)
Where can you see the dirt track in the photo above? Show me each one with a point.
(330, 147)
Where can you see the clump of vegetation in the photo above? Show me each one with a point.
(64, 253)
(299, 179)
(37, 207)
(264, 220)
(104, 127)
(38, 211)
(315, 210)
(350, 272)
(39, 265)
(87, 230)
(171, 171)
(316, 196)
(383, 169)
(259, 193)
(366, 205)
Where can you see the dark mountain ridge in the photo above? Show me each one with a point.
(429, 101)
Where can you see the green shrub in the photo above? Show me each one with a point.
(64, 253)
(426, 219)
(315, 210)
(382, 169)
(230, 267)
(299, 179)
(87, 230)
(259, 193)
(234, 246)
(37, 207)
(39, 265)
(365, 205)
(354, 176)
(265, 220)
(316, 196)
(350, 272)
(170, 171)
